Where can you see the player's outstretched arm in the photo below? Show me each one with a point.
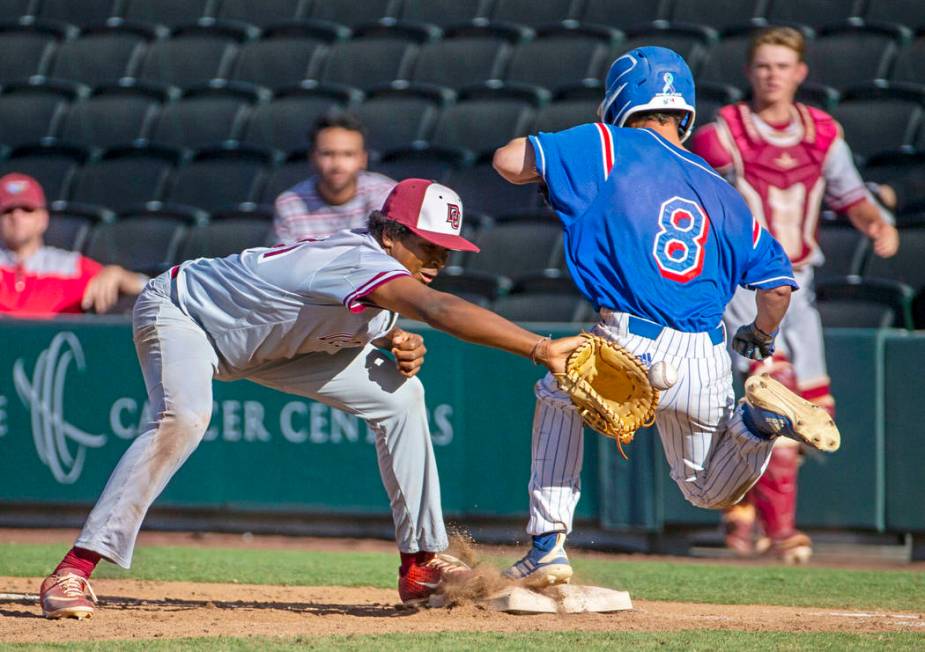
(515, 162)
(469, 322)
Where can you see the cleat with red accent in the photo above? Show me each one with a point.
(67, 595)
(419, 581)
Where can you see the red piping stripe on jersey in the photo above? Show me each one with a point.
(756, 232)
(367, 288)
(606, 148)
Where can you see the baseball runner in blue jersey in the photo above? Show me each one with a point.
(308, 319)
(658, 243)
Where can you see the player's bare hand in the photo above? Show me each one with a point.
(555, 353)
(408, 349)
(886, 242)
(103, 290)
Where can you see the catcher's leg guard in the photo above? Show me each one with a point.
(739, 523)
(775, 498)
(771, 410)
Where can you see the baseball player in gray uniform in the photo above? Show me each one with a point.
(309, 319)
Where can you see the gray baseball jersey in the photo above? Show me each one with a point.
(268, 304)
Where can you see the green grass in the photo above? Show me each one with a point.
(689, 641)
(647, 580)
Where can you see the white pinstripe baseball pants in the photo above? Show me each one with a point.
(714, 459)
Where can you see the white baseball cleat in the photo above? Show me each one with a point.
(546, 564)
(774, 411)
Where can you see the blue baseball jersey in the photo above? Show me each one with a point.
(651, 229)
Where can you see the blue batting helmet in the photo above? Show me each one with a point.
(648, 79)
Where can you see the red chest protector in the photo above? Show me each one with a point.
(783, 186)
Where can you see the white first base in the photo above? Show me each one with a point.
(576, 599)
(563, 598)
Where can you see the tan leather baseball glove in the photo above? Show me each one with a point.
(610, 388)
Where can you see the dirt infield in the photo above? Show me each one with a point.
(140, 609)
(132, 609)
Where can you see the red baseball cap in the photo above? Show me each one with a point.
(20, 191)
(430, 210)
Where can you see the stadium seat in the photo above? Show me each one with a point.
(844, 249)
(352, 13)
(620, 14)
(910, 13)
(484, 191)
(906, 266)
(718, 14)
(112, 116)
(29, 113)
(918, 310)
(462, 61)
(220, 178)
(477, 287)
(25, 50)
(284, 176)
(285, 123)
(908, 66)
(227, 234)
(484, 121)
(144, 242)
(15, 9)
(545, 296)
(53, 166)
(711, 96)
(82, 13)
(262, 13)
(726, 60)
(690, 41)
(190, 58)
(897, 112)
(399, 117)
(544, 307)
(203, 117)
(905, 172)
(69, 227)
(570, 108)
(853, 302)
(562, 57)
(815, 13)
(125, 177)
(442, 13)
(281, 59)
(818, 95)
(170, 13)
(370, 61)
(532, 13)
(98, 57)
(518, 244)
(422, 163)
(850, 54)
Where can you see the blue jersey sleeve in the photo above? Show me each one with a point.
(768, 266)
(573, 163)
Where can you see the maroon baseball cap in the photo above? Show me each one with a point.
(20, 191)
(430, 210)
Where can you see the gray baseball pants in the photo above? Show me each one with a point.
(178, 363)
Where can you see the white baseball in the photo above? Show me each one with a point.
(662, 375)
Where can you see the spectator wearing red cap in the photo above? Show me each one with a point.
(40, 281)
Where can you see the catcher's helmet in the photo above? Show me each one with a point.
(646, 79)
